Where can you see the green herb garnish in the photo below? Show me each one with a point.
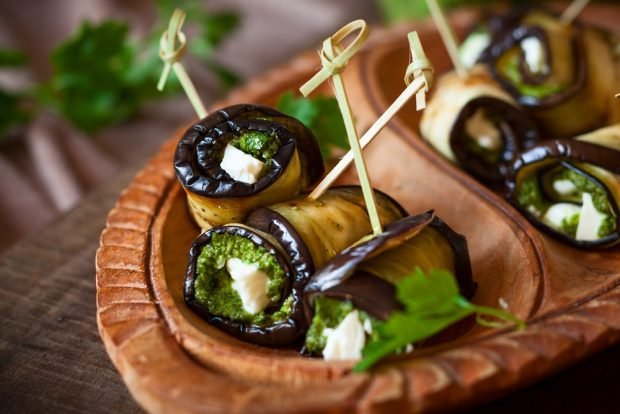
(12, 108)
(432, 303)
(321, 115)
(11, 112)
(399, 10)
(10, 58)
(91, 85)
(102, 76)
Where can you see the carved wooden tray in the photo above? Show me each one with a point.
(174, 362)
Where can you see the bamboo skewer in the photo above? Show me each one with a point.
(334, 59)
(172, 55)
(573, 10)
(419, 78)
(447, 36)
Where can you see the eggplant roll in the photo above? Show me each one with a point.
(571, 188)
(241, 281)
(243, 156)
(554, 69)
(356, 289)
(248, 279)
(476, 124)
(314, 231)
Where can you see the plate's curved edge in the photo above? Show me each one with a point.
(127, 314)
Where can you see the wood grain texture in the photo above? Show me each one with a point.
(51, 356)
(173, 361)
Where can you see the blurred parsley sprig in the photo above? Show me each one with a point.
(399, 10)
(101, 76)
(321, 115)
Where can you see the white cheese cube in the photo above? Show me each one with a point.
(241, 166)
(564, 187)
(559, 212)
(589, 221)
(347, 340)
(368, 326)
(534, 53)
(250, 283)
(483, 131)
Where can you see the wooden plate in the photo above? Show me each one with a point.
(172, 361)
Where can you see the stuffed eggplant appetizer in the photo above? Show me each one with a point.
(314, 231)
(355, 289)
(476, 124)
(248, 279)
(571, 188)
(553, 68)
(243, 156)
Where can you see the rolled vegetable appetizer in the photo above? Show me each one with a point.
(476, 124)
(243, 156)
(353, 291)
(571, 188)
(314, 231)
(553, 68)
(249, 282)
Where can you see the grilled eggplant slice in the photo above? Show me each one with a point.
(361, 279)
(248, 279)
(314, 231)
(285, 160)
(571, 188)
(478, 125)
(552, 68)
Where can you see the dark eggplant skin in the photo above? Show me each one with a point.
(519, 132)
(567, 151)
(279, 334)
(214, 197)
(339, 278)
(198, 169)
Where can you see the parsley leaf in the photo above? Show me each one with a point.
(101, 77)
(11, 112)
(11, 58)
(399, 10)
(432, 303)
(321, 115)
(91, 86)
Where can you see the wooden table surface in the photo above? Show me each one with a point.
(52, 360)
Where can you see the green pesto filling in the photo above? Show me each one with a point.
(513, 74)
(569, 225)
(213, 285)
(328, 313)
(530, 196)
(260, 145)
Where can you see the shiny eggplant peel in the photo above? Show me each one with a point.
(239, 280)
(356, 288)
(476, 124)
(243, 156)
(552, 68)
(571, 188)
(248, 279)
